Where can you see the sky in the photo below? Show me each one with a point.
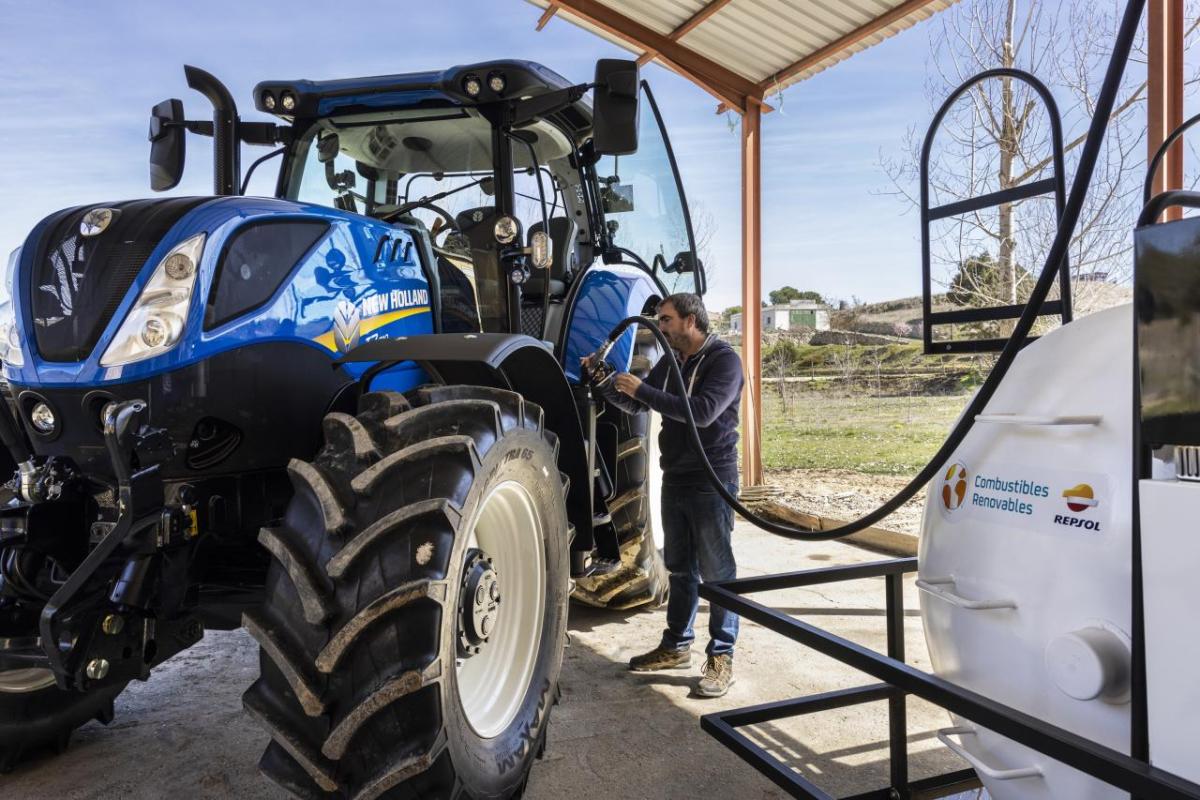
(77, 82)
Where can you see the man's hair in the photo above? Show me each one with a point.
(687, 304)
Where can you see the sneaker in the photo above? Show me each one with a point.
(718, 676)
(661, 657)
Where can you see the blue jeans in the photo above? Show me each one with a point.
(697, 534)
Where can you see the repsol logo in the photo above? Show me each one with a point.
(1077, 522)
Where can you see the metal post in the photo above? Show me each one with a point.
(1164, 109)
(751, 295)
(897, 702)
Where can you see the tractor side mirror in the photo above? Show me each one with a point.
(684, 262)
(166, 145)
(615, 104)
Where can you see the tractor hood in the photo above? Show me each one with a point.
(93, 303)
(82, 265)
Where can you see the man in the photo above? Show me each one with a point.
(697, 522)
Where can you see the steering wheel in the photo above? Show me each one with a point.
(451, 222)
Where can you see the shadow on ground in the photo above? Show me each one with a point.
(614, 734)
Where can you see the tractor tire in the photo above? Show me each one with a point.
(642, 578)
(412, 633)
(35, 715)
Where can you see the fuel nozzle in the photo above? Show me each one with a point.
(596, 369)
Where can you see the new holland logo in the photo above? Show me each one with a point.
(954, 487)
(1080, 498)
(346, 322)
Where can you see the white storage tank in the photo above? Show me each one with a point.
(1024, 557)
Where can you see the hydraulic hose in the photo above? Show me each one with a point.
(1058, 249)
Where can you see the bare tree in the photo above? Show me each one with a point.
(781, 360)
(704, 230)
(997, 137)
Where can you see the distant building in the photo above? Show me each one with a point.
(789, 316)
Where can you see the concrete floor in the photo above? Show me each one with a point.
(615, 734)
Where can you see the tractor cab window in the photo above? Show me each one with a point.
(644, 206)
(437, 169)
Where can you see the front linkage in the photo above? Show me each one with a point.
(121, 610)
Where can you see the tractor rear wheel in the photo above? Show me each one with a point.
(416, 603)
(642, 577)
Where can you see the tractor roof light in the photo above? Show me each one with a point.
(472, 85)
(288, 101)
(268, 101)
(155, 323)
(497, 82)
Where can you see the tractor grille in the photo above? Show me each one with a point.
(1187, 462)
(78, 281)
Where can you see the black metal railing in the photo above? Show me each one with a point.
(1055, 184)
(898, 680)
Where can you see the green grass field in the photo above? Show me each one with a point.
(875, 435)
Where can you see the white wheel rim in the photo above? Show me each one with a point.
(492, 683)
(18, 681)
(31, 679)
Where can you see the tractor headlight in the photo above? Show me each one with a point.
(155, 323)
(42, 417)
(10, 336)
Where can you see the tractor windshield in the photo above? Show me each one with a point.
(438, 169)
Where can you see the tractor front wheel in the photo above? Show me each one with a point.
(416, 604)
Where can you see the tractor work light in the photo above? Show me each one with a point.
(288, 101)
(539, 249)
(472, 85)
(496, 82)
(506, 230)
(268, 101)
(42, 418)
(155, 323)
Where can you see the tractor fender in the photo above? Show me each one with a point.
(510, 361)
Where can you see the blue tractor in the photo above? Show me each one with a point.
(349, 418)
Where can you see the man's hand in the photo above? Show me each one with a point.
(627, 384)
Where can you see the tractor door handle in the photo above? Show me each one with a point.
(934, 586)
(980, 767)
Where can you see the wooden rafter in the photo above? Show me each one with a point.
(838, 45)
(721, 82)
(547, 15)
(689, 25)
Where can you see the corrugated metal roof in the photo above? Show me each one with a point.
(769, 43)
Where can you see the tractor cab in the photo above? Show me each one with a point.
(516, 183)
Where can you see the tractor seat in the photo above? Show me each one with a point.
(563, 265)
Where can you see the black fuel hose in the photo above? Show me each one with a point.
(1058, 249)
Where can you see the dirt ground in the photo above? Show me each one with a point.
(846, 495)
(614, 734)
